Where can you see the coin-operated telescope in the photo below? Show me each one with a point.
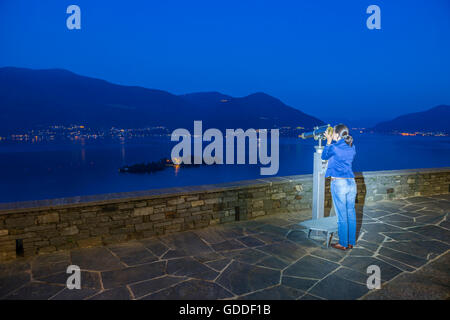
(318, 133)
(320, 166)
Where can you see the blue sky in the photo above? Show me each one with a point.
(317, 56)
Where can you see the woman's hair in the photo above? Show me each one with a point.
(344, 133)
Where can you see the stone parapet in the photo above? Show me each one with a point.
(42, 226)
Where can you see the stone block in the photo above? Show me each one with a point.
(176, 201)
(119, 216)
(258, 204)
(99, 231)
(90, 242)
(197, 203)
(143, 211)
(163, 224)
(69, 231)
(47, 249)
(158, 216)
(70, 216)
(140, 204)
(40, 228)
(20, 222)
(48, 218)
(144, 226)
(123, 206)
(127, 230)
(212, 200)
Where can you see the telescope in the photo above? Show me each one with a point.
(319, 169)
(318, 133)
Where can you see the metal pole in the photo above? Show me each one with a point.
(318, 183)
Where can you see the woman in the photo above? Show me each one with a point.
(343, 186)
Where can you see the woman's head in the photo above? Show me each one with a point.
(341, 131)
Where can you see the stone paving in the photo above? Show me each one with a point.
(266, 258)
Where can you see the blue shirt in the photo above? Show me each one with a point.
(340, 157)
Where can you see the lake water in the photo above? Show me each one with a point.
(52, 170)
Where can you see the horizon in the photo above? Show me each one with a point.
(318, 58)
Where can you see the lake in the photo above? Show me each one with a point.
(32, 171)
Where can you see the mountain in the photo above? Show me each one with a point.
(433, 120)
(29, 98)
(258, 110)
(32, 98)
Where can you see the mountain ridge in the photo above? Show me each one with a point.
(60, 96)
(434, 119)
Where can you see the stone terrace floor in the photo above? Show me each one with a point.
(266, 258)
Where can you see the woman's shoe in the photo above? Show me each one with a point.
(350, 246)
(338, 246)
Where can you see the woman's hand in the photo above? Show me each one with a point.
(328, 136)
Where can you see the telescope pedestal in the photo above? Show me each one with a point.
(318, 201)
(318, 224)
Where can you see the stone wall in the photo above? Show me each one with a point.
(34, 227)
